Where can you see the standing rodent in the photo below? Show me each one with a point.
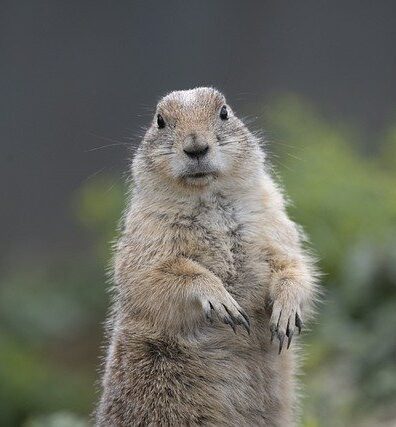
(206, 248)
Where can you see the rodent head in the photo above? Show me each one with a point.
(195, 139)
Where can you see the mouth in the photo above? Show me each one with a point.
(198, 175)
(199, 178)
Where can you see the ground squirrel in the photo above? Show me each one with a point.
(206, 250)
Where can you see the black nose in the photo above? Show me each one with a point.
(196, 152)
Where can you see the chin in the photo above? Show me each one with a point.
(198, 180)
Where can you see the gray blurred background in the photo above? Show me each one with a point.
(79, 81)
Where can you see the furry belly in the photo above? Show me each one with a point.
(214, 378)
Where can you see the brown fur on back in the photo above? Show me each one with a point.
(196, 256)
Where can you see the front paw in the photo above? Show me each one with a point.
(227, 310)
(285, 317)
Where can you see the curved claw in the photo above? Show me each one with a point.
(281, 337)
(228, 320)
(244, 315)
(240, 320)
(289, 334)
(244, 320)
(299, 323)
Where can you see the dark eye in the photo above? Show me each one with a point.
(223, 113)
(160, 121)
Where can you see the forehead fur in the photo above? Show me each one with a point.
(200, 101)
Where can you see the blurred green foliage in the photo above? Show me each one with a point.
(58, 419)
(52, 309)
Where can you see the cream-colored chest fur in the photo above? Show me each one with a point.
(224, 234)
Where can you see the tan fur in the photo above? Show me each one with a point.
(196, 255)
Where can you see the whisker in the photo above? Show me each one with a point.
(285, 145)
(294, 157)
(283, 165)
(94, 174)
(166, 154)
(229, 142)
(105, 138)
(107, 146)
